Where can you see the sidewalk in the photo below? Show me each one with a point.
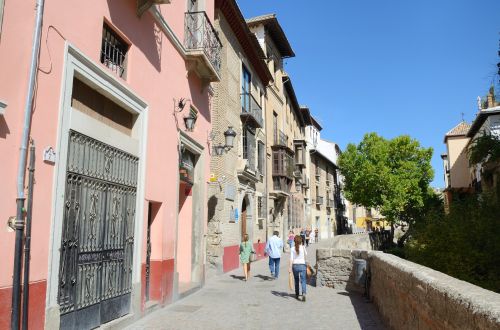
(227, 302)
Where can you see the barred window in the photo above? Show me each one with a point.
(259, 206)
(249, 146)
(245, 144)
(261, 159)
(113, 51)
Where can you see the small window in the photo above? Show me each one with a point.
(113, 51)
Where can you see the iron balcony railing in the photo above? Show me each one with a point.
(319, 200)
(250, 109)
(329, 203)
(199, 34)
(281, 139)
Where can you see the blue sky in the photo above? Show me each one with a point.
(389, 66)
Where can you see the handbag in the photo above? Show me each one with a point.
(253, 256)
(309, 271)
(290, 281)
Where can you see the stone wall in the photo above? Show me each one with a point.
(411, 296)
(335, 268)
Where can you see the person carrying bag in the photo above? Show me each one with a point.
(246, 251)
(298, 267)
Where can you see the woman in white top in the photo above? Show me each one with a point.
(298, 266)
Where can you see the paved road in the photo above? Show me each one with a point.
(227, 302)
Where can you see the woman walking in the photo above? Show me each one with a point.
(298, 266)
(245, 251)
(291, 236)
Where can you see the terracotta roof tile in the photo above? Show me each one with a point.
(461, 129)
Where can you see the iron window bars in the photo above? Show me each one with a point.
(113, 51)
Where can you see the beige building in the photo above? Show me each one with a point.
(455, 162)
(285, 132)
(237, 190)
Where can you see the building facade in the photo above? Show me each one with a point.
(237, 191)
(119, 203)
(282, 117)
(162, 133)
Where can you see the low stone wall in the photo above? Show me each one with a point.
(335, 268)
(411, 296)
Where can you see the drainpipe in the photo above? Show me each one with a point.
(21, 173)
(27, 243)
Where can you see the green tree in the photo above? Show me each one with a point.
(390, 175)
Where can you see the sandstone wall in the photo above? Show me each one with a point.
(411, 296)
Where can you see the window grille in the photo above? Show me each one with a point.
(113, 51)
(249, 146)
(261, 159)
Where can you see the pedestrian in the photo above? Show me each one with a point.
(291, 236)
(274, 246)
(298, 267)
(316, 234)
(308, 234)
(311, 237)
(303, 235)
(245, 251)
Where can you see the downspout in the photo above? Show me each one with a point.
(21, 173)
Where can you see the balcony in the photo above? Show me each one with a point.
(251, 112)
(282, 164)
(319, 200)
(329, 203)
(245, 168)
(281, 186)
(143, 5)
(203, 47)
(280, 139)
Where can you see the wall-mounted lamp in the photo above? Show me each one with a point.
(190, 119)
(189, 122)
(229, 136)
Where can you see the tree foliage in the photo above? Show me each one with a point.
(484, 148)
(391, 175)
(463, 243)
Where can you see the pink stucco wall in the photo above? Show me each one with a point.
(156, 73)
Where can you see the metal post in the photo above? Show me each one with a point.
(18, 255)
(21, 170)
(27, 239)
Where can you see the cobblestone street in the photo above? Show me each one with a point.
(227, 302)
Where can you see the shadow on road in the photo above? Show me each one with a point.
(236, 277)
(285, 295)
(264, 277)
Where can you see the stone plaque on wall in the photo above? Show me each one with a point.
(230, 192)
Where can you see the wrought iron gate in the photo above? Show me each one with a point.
(95, 274)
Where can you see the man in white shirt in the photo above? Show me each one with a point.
(274, 246)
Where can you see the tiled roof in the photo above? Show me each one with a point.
(461, 129)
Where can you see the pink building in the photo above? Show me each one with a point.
(119, 215)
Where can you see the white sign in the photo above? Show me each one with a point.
(49, 155)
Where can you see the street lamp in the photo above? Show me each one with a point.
(189, 121)
(229, 136)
